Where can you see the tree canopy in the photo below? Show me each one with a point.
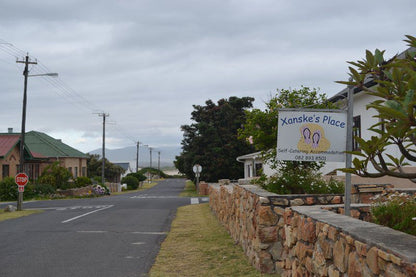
(260, 129)
(394, 83)
(212, 140)
(94, 165)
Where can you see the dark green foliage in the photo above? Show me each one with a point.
(56, 176)
(396, 213)
(211, 140)
(139, 176)
(131, 182)
(394, 83)
(8, 189)
(261, 129)
(82, 181)
(43, 189)
(111, 172)
(153, 171)
(299, 178)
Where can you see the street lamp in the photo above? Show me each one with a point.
(22, 134)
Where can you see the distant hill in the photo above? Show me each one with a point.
(128, 154)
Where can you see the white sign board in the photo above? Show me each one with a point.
(312, 135)
(197, 168)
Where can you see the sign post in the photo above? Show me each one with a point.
(197, 170)
(317, 136)
(21, 179)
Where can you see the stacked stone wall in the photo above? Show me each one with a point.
(293, 236)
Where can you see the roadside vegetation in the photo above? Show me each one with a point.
(260, 129)
(7, 215)
(190, 190)
(55, 179)
(396, 211)
(197, 245)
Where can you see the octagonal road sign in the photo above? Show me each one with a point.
(197, 168)
(21, 179)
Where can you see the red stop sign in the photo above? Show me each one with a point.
(21, 179)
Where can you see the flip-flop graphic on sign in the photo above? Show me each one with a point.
(312, 139)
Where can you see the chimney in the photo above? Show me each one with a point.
(10, 130)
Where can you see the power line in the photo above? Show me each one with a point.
(60, 87)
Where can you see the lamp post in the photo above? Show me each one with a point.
(23, 129)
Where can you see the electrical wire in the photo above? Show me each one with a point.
(61, 88)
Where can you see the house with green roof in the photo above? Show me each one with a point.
(41, 151)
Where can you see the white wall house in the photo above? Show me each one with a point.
(363, 120)
(254, 165)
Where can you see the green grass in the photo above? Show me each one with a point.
(145, 186)
(396, 214)
(11, 215)
(190, 190)
(198, 245)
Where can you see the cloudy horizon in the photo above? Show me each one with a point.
(145, 63)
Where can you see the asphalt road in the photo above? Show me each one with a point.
(108, 236)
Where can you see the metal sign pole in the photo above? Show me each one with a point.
(348, 160)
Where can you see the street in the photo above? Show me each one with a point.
(108, 236)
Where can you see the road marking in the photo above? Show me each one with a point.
(74, 218)
(194, 201)
(138, 243)
(150, 233)
(69, 208)
(153, 197)
(92, 232)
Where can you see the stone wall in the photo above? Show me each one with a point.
(293, 236)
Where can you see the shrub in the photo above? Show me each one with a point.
(8, 190)
(55, 175)
(300, 182)
(100, 190)
(139, 176)
(153, 171)
(131, 182)
(82, 181)
(44, 189)
(396, 212)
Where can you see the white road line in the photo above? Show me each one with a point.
(92, 232)
(149, 233)
(138, 243)
(194, 201)
(74, 218)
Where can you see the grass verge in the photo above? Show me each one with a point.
(198, 245)
(7, 215)
(145, 186)
(190, 190)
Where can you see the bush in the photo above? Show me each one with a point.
(56, 176)
(300, 182)
(139, 176)
(8, 189)
(100, 190)
(131, 182)
(396, 212)
(153, 171)
(44, 189)
(82, 181)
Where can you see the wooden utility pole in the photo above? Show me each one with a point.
(104, 115)
(23, 129)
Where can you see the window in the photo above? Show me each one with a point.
(6, 170)
(84, 171)
(356, 132)
(76, 172)
(70, 170)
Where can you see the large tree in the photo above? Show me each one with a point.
(260, 129)
(394, 82)
(111, 171)
(211, 140)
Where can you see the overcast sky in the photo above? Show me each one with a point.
(147, 62)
